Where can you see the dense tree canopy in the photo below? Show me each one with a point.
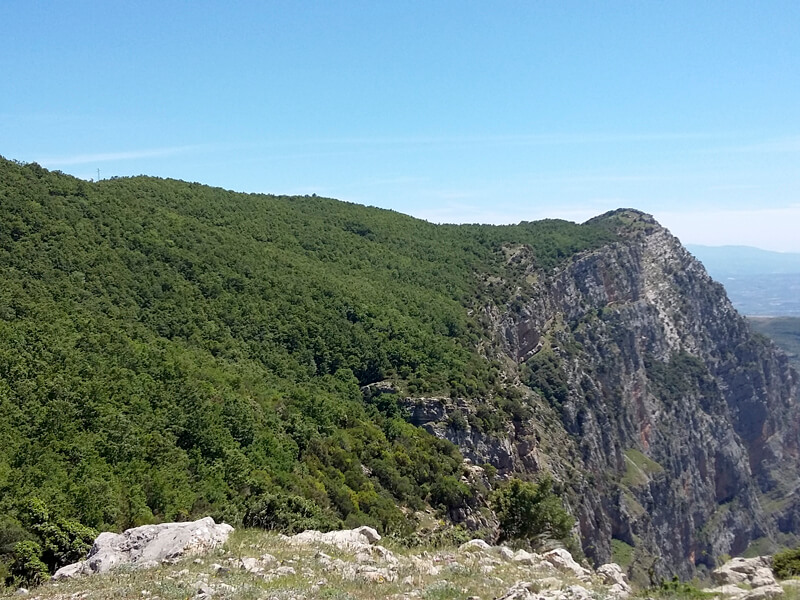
(169, 349)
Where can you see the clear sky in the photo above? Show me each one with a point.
(463, 111)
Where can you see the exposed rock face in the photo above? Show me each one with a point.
(675, 428)
(148, 545)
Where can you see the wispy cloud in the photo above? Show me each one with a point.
(790, 143)
(542, 139)
(82, 159)
(353, 144)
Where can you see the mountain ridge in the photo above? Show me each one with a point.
(171, 349)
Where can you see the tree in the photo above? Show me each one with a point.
(530, 511)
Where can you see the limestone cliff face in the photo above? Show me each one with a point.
(675, 428)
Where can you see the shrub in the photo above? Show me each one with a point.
(63, 541)
(288, 514)
(28, 568)
(675, 589)
(530, 511)
(449, 492)
(457, 420)
(442, 537)
(786, 564)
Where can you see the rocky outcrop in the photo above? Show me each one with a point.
(746, 578)
(614, 577)
(352, 564)
(348, 538)
(673, 428)
(755, 572)
(148, 546)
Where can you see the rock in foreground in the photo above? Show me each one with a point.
(746, 578)
(349, 563)
(148, 546)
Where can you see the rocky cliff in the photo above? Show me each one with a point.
(171, 350)
(673, 427)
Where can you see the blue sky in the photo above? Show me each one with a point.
(450, 111)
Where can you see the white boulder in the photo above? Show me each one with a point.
(765, 592)
(527, 558)
(756, 572)
(562, 560)
(148, 546)
(345, 539)
(474, 545)
(613, 576)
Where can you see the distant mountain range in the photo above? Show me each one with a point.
(758, 282)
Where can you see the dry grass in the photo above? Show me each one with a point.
(460, 575)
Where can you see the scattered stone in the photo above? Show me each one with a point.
(546, 583)
(522, 590)
(474, 545)
(252, 565)
(731, 591)
(363, 562)
(764, 593)
(527, 558)
(505, 552)
(321, 556)
(69, 571)
(22, 592)
(577, 592)
(562, 560)
(375, 574)
(425, 566)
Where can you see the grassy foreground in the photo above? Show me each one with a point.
(315, 571)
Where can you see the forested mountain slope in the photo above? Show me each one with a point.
(169, 349)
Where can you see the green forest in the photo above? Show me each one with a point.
(171, 350)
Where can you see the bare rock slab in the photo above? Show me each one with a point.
(562, 560)
(148, 546)
(755, 572)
